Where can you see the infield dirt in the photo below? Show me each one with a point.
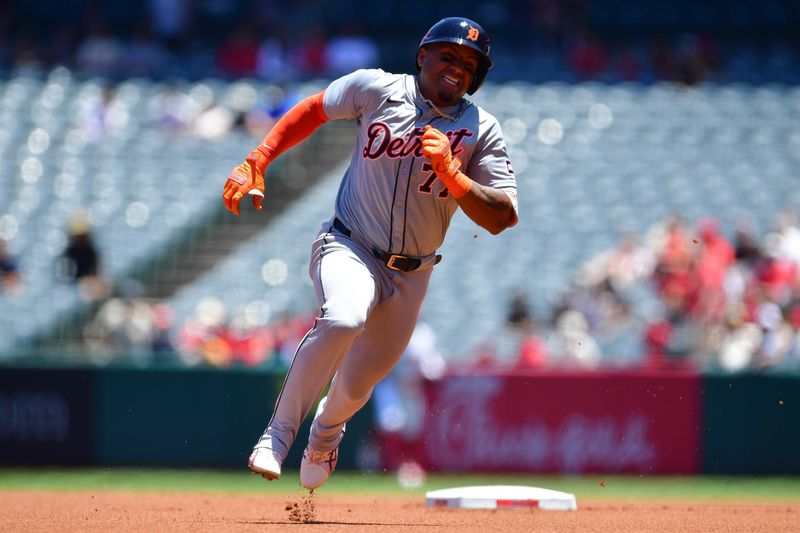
(139, 511)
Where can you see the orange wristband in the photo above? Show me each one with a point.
(457, 183)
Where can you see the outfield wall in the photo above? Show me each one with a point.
(752, 424)
(155, 417)
(678, 423)
(559, 423)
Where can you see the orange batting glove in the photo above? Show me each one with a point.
(247, 178)
(436, 149)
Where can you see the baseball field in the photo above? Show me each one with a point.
(119, 499)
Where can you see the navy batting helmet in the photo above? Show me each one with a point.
(466, 32)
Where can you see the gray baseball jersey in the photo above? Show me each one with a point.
(389, 194)
(389, 199)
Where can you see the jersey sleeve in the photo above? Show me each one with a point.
(490, 164)
(350, 96)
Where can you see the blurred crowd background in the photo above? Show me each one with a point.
(569, 40)
(656, 143)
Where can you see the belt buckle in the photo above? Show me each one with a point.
(392, 260)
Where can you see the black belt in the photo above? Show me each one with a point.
(397, 262)
(392, 261)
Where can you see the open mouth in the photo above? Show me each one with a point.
(451, 81)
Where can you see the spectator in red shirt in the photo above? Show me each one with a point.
(674, 258)
(238, 55)
(587, 55)
(309, 58)
(714, 258)
(775, 274)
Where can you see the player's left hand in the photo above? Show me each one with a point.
(247, 178)
(436, 149)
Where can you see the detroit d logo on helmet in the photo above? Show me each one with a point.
(473, 34)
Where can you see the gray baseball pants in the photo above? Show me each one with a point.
(367, 315)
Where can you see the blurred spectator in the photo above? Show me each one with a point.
(272, 63)
(202, 337)
(80, 261)
(627, 64)
(237, 57)
(669, 340)
(623, 266)
(555, 21)
(713, 260)
(774, 274)
(607, 314)
(128, 327)
(717, 306)
(560, 29)
(571, 343)
(211, 336)
(695, 60)
(740, 315)
(777, 336)
(251, 339)
(309, 57)
(170, 21)
(100, 52)
(519, 313)
(163, 321)
(662, 59)
(672, 241)
(789, 232)
(531, 350)
(123, 326)
(10, 280)
(516, 343)
(144, 56)
(587, 55)
(739, 346)
(350, 50)
(745, 243)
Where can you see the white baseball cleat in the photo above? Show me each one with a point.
(263, 461)
(316, 466)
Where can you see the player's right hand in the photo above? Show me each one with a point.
(436, 149)
(247, 178)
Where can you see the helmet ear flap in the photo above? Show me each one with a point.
(479, 78)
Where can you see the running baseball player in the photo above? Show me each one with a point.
(422, 150)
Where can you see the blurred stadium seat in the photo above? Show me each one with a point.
(592, 160)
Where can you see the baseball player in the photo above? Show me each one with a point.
(422, 150)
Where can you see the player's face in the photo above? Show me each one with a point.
(446, 72)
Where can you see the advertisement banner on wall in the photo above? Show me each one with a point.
(45, 417)
(557, 423)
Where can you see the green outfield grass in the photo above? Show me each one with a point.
(711, 488)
